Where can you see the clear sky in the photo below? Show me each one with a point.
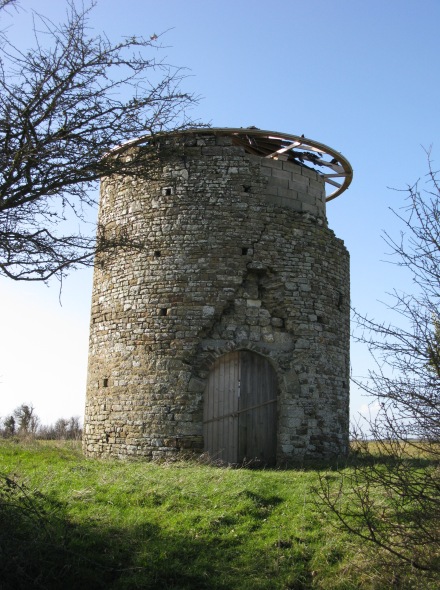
(361, 77)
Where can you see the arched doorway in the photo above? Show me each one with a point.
(240, 409)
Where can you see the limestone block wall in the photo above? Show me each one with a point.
(235, 253)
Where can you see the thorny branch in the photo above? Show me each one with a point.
(64, 105)
(390, 496)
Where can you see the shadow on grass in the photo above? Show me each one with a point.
(41, 548)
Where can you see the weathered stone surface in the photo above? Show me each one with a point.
(235, 254)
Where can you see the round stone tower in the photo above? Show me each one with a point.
(221, 323)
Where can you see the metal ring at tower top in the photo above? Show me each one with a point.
(331, 165)
(328, 163)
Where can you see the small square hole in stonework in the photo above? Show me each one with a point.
(247, 188)
(157, 253)
(105, 383)
(163, 311)
(244, 251)
(167, 191)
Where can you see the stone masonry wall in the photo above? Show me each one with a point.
(236, 254)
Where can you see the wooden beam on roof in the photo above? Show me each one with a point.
(333, 183)
(292, 145)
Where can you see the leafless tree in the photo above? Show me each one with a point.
(63, 429)
(74, 430)
(391, 495)
(64, 105)
(26, 420)
(8, 426)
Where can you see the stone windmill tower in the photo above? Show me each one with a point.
(227, 330)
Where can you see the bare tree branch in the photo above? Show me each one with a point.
(64, 105)
(391, 494)
(5, 3)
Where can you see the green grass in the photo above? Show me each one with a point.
(69, 522)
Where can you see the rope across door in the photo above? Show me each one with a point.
(235, 414)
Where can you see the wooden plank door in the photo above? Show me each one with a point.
(257, 433)
(240, 417)
(220, 424)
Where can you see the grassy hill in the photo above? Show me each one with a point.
(69, 522)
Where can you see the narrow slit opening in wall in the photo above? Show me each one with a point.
(105, 382)
(340, 301)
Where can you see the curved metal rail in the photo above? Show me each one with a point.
(328, 163)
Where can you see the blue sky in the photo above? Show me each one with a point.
(361, 77)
